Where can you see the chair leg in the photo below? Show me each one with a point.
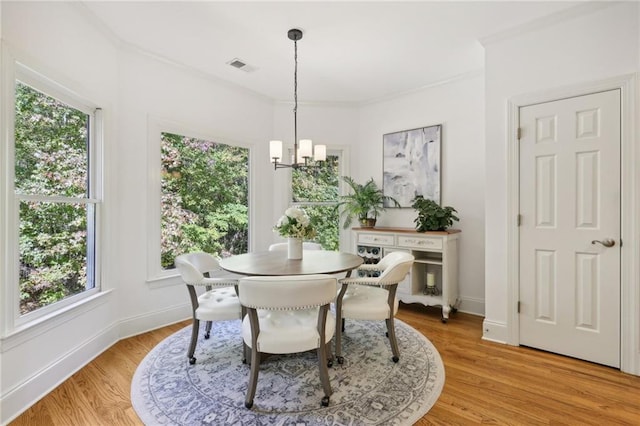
(339, 324)
(253, 378)
(392, 339)
(255, 357)
(194, 341)
(246, 353)
(207, 329)
(338, 338)
(324, 374)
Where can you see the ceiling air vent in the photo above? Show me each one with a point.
(241, 65)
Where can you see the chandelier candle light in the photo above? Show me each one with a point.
(302, 152)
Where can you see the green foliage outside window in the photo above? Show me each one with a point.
(316, 191)
(204, 198)
(51, 159)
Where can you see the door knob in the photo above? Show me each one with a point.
(607, 242)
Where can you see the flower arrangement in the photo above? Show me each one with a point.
(295, 224)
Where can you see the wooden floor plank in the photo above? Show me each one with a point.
(486, 383)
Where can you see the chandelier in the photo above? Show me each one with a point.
(302, 152)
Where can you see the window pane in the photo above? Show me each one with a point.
(204, 198)
(325, 221)
(51, 146)
(53, 252)
(319, 184)
(316, 191)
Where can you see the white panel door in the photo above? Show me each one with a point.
(570, 214)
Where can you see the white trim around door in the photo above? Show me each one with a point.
(630, 205)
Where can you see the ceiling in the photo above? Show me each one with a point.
(351, 52)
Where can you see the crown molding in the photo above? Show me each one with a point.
(97, 23)
(582, 9)
(195, 72)
(326, 104)
(125, 46)
(458, 77)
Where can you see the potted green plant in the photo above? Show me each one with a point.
(431, 216)
(365, 203)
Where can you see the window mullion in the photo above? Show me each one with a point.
(56, 199)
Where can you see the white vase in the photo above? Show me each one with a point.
(294, 248)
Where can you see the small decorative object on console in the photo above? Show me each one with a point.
(431, 216)
(365, 203)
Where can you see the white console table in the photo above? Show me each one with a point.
(436, 254)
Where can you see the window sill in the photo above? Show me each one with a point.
(45, 323)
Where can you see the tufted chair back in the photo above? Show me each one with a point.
(392, 258)
(287, 293)
(194, 266)
(396, 266)
(218, 302)
(288, 314)
(373, 298)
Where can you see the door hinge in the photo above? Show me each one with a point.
(519, 219)
(519, 133)
(518, 306)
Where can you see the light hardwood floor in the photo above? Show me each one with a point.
(485, 382)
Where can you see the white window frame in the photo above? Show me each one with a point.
(343, 160)
(10, 297)
(156, 276)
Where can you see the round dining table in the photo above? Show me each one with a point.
(274, 263)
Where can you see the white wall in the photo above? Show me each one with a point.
(152, 92)
(47, 37)
(596, 46)
(59, 40)
(459, 107)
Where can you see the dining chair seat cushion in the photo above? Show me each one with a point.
(288, 331)
(367, 302)
(218, 304)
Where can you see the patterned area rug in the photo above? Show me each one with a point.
(368, 389)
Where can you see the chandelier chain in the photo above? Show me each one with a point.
(295, 96)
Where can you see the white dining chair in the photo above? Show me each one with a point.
(288, 314)
(219, 301)
(306, 245)
(383, 264)
(373, 298)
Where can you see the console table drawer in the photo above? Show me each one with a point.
(375, 239)
(420, 242)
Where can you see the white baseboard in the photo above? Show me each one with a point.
(138, 324)
(30, 391)
(23, 396)
(471, 305)
(494, 331)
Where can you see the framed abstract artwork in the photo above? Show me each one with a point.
(411, 164)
